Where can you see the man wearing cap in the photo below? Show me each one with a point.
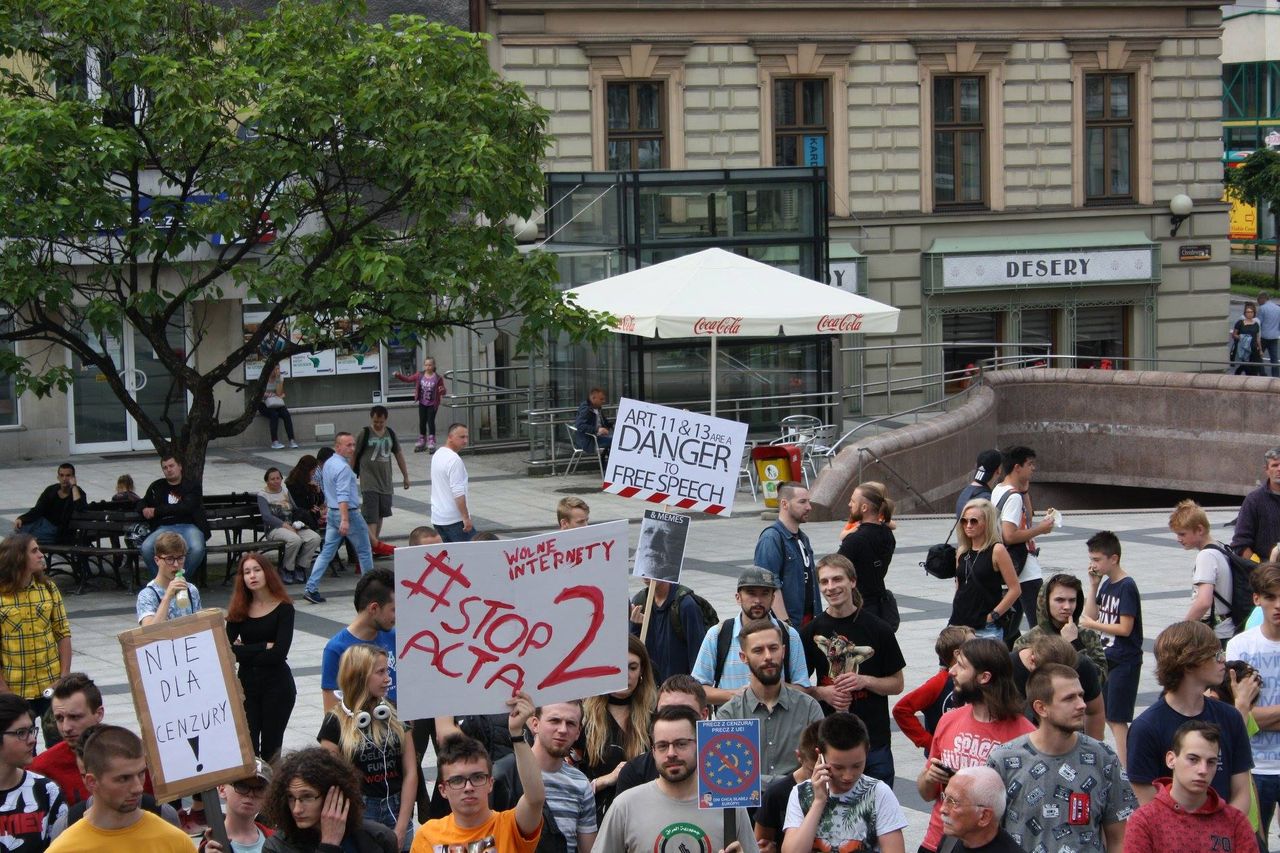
(244, 801)
(984, 478)
(719, 666)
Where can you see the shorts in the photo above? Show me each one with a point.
(375, 506)
(1121, 690)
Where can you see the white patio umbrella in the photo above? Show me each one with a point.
(714, 293)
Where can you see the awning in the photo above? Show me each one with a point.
(1009, 262)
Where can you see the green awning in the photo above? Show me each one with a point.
(961, 264)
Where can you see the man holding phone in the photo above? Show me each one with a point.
(992, 715)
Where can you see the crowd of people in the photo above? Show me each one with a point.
(1032, 673)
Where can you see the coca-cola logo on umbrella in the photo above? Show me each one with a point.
(841, 323)
(718, 326)
(627, 323)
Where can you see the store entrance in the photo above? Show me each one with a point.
(99, 422)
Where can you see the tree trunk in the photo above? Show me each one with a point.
(197, 432)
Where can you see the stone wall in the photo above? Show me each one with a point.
(1143, 429)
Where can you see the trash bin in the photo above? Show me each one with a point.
(775, 465)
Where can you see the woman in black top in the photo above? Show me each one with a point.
(260, 627)
(982, 565)
(1246, 352)
(307, 496)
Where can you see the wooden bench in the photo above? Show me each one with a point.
(99, 544)
(234, 520)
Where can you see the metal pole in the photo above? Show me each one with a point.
(713, 375)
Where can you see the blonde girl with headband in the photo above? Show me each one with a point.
(364, 728)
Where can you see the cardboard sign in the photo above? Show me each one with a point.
(665, 455)
(476, 621)
(728, 764)
(189, 703)
(660, 554)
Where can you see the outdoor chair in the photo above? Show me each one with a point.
(578, 452)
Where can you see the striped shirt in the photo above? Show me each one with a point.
(32, 621)
(571, 800)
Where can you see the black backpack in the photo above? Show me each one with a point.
(1018, 553)
(1240, 607)
(709, 615)
(940, 561)
(726, 638)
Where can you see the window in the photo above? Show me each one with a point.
(636, 125)
(1037, 327)
(959, 141)
(801, 124)
(969, 339)
(1108, 137)
(1100, 337)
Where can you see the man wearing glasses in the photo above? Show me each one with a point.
(972, 808)
(167, 596)
(663, 815)
(1189, 659)
(466, 780)
(29, 803)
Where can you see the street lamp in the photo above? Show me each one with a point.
(1180, 206)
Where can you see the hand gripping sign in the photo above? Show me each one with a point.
(477, 621)
(189, 703)
(670, 456)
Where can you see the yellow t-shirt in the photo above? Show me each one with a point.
(151, 833)
(500, 833)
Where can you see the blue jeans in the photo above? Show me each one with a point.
(190, 534)
(385, 811)
(1268, 795)
(455, 533)
(1271, 349)
(44, 530)
(357, 534)
(880, 764)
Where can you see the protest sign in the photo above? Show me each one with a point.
(476, 621)
(189, 704)
(728, 764)
(660, 554)
(665, 455)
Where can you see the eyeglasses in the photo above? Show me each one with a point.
(28, 733)
(171, 559)
(247, 790)
(951, 802)
(457, 783)
(681, 744)
(968, 521)
(304, 800)
(1220, 657)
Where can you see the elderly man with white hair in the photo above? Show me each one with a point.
(972, 809)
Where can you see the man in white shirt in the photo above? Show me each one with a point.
(1013, 505)
(449, 487)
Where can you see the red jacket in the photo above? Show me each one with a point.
(58, 762)
(906, 709)
(1163, 825)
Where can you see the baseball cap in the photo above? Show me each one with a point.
(756, 576)
(262, 770)
(988, 462)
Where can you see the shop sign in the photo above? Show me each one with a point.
(1195, 252)
(1046, 269)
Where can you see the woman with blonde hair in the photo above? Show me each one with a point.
(615, 728)
(982, 566)
(364, 728)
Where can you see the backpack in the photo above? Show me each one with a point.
(725, 639)
(1240, 607)
(1018, 553)
(709, 615)
(940, 561)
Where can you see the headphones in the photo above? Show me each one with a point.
(364, 719)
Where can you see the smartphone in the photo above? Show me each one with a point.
(822, 760)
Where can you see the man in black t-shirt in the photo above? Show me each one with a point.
(856, 658)
(870, 549)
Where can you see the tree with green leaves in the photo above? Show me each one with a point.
(1256, 181)
(159, 155)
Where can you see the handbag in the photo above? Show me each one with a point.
(940, 560)
(273, 402)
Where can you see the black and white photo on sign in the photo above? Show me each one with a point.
(660, 554)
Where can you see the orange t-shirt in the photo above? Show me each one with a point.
(500, 834)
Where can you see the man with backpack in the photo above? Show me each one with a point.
(676, 627)
(784, 549)
(718, 666)
(1222, 597)
(1013, 505)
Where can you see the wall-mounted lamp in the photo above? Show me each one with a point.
(1180, 206)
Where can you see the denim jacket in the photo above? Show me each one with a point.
(788, 564)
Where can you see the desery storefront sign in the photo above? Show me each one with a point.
(1046, 268)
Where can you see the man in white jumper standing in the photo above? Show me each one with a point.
(449, 485)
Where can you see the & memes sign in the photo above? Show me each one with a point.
(665, 455)
(189, 704)
(477, 621)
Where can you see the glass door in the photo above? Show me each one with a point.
(99, 421)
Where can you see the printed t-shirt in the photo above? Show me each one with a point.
(499, 834)
(645, 819)
(860, 629)
(854, 820)
(27, 811)
(381, 768)
(1264, 656)
(1115, 600)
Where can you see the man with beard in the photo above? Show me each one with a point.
(783, 714)
(991, 715)
(1066, 790)
(664, 814)
(870, 548)
(569, 815)
(835, 645)
(676, 690)
(784, 549)
(719, 668)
